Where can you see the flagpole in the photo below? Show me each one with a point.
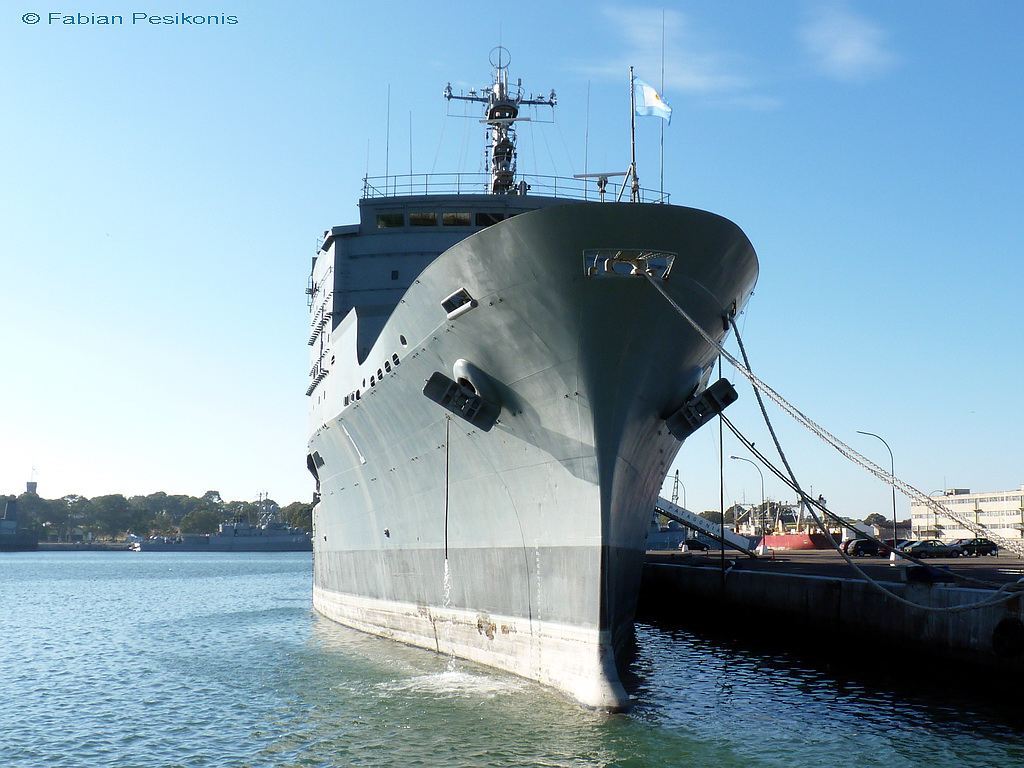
(635, 189)
(662, 190)
(387, 144)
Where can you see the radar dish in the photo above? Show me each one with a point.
(504, 58)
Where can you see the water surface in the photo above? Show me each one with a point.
(216, 659)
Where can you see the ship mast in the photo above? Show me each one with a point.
(502, 113)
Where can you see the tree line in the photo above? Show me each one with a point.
(159, 514)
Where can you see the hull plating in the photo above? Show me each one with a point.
(521, 547)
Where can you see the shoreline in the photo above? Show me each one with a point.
(83, 546)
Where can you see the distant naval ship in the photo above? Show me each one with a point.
(233, 536)
(269, 534)
(496, 392)
(11, 538)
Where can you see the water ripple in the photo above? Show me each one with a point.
(154, 659)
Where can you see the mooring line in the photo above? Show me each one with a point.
(1002, 594)
(905, 488)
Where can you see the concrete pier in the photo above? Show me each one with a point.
(818, 595)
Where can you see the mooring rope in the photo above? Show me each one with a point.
(1003, 593)
(903, 487)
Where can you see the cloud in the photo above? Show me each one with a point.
(690, 64)
(845, 46)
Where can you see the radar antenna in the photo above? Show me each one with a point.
(502, 113)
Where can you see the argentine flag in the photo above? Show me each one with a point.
(649, 101)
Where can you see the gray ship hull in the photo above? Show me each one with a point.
(521, 547)
(228, 544)
(18, 542)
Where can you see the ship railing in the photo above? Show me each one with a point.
(479, 184)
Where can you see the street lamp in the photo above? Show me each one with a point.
(892, 471)
(763, 511)
(931, 512)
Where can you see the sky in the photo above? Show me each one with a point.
(166, 183)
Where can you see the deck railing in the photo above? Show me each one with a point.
(479, 183)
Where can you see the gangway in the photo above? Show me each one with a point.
(708, 528)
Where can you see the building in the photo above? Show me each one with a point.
(1002, 512)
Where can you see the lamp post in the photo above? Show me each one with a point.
(759, 472)
(934, 517)
(892, 471)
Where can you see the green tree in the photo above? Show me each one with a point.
(70, 512)
(158, 514)
(876, 519)
(160, 503)
(201, 520)
(161, 525)
(212, 498)
(714, 516)
(111, 515)
(299, 514)
(33, 511)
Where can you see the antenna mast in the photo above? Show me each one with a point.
(502, 114)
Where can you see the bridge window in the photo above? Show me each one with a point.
(390, 220)
(449, 219)
(423, 219)
(486, 219)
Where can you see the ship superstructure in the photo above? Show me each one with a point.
(496, 393)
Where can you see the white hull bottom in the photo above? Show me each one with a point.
(576, 660)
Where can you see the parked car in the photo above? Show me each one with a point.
(861, 548)
(695, 544)
(933, 548)
(977, 547)
(903, 544)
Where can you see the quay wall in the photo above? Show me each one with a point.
(845, 608)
